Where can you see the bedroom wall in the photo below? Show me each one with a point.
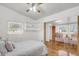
(73, 12)
(8, 15)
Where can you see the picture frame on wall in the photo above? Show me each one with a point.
(31, 27)
(15, 28)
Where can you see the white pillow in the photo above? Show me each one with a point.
(3, 50)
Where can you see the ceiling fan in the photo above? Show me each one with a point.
(34, 7)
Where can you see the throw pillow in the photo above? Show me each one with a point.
(3, 50)
(9, 46)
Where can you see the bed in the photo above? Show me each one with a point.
(28, 48)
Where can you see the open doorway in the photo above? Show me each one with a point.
(61, 36)
(53, 32)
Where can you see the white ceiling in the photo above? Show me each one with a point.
(63, 21)
(46, 8)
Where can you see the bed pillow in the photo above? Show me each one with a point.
(3, 50)
(9, 46)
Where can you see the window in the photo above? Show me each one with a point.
(73, 27)
(61, 28)
(15, 28)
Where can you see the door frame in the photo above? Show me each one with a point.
(78, 35)
(44, 32)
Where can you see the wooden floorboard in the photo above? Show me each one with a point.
(54, 47)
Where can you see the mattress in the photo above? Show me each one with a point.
(27, 48)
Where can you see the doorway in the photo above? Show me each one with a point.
(53, 33)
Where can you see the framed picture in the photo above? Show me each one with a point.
(15, 28)
(31, 26)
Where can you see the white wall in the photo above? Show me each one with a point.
(73, 12)
(8, 15)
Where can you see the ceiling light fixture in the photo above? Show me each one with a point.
(33, 7)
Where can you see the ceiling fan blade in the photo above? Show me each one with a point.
(27, 10)
(38, 11)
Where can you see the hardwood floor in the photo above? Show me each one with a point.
(54, 47)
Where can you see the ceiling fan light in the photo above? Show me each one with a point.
(31, 8)
(34, 9)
